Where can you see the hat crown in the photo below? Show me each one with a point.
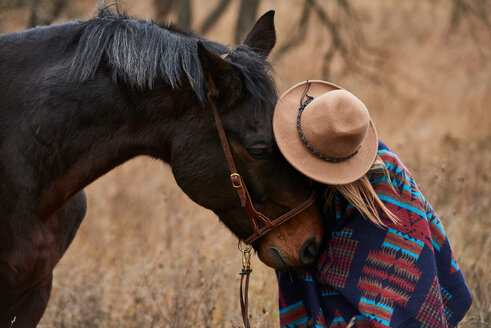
(329, 136)
(335, 123)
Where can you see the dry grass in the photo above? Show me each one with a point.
(146, 256)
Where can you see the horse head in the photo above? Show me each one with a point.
(245, 97)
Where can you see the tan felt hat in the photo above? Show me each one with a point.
(325, 132)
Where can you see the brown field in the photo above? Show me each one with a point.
(147, 256)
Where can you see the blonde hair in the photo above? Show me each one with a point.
(362, 196)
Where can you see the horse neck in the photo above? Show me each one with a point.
(108, 126)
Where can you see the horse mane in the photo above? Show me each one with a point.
(137, 52)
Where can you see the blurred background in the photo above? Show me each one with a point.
(146, 256)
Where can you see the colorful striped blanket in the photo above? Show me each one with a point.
(404, 275)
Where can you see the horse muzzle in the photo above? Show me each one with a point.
(294, 243)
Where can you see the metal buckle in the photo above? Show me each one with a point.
(234, 184)
(246, 256)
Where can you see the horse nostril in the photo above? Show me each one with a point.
(309, 252)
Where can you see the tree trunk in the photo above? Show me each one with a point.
(247, 15)
(297, 39)
(184, 14)
(33, 14)
(58, 6)
(214, 16)
(162, 9)
(50, 12)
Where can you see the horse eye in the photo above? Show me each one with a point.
(259, 151)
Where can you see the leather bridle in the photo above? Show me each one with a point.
(255, 216)
(245, 199)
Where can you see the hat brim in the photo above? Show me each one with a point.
(301, 158)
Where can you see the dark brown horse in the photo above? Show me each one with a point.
(80, 98)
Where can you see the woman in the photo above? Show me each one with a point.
(386, 261)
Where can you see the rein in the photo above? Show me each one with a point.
(255, 216)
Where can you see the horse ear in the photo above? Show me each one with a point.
(262, 37)
(219, 75)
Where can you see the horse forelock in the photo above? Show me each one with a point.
(256, 77)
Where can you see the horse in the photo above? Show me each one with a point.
(79, 98)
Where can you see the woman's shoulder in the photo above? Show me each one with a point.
(387, 155)
(393, 164)
(382, 146)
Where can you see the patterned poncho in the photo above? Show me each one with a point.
(404, 275)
